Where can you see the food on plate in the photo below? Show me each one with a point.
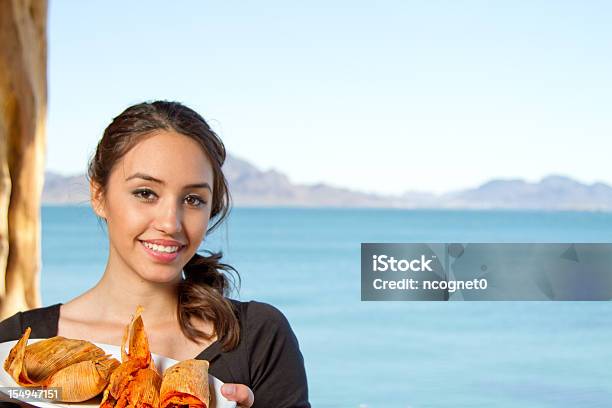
(80, 368)
(83, 370)
(185, 383)
(136, 382)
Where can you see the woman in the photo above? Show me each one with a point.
(156, 180)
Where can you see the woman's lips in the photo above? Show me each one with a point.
(165, 257)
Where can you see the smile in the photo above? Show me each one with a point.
(160, 248)
(161, 252)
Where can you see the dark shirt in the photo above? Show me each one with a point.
(267, 359)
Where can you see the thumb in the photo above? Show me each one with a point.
(239, 393)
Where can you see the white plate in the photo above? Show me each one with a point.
(216, 399)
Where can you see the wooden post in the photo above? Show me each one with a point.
(23, 105)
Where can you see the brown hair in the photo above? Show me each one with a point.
(202, 292)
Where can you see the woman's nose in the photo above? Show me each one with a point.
(169, 219)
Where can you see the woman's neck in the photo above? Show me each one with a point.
(118, 293)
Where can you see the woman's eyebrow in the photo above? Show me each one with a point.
(151, 178)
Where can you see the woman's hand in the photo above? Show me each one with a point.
(239, 393)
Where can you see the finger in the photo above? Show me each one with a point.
(239, 393)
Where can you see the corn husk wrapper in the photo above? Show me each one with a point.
(186, 383)
(135, 336)
(80, 368)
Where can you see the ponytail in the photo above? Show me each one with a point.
(202, 295)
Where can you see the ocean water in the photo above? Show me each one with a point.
(390, 354)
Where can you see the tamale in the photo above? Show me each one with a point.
(123, 375)
(145, 389)
(80, 368)
(139, 389)
(185, 383)
(84, 380)
(46, 357)
(136, 382)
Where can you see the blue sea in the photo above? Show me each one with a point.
(306, 262)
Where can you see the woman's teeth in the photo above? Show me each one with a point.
(160, 248)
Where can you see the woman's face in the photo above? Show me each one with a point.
(157, 206)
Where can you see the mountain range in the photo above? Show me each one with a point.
(252, 187)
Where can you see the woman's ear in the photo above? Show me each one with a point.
(97, 199)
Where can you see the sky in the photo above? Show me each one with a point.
(384, 97)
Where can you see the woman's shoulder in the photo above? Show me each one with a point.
(43, 322)
(275, 363)
(254, 311)
(260, 322)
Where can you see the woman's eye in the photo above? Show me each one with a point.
(148, 196)
(194, 201)
(144, 194)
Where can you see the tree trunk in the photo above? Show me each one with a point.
(23, 105)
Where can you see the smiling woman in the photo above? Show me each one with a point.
(157, 183)
(156, 205)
